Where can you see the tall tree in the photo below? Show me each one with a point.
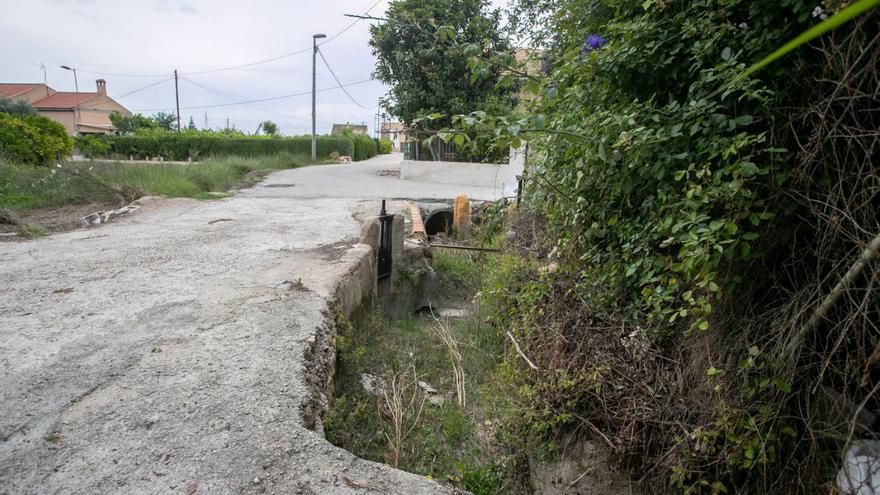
(164, 120)
(16, 107)
(423, 50)
(270, 128)
(128, 124)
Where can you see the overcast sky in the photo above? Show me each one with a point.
(135, 43)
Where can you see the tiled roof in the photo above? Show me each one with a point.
(63, 100)
(12, 89)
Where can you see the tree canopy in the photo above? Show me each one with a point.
(131, 123)
(423, 50)
(269, 127)
(16, 107)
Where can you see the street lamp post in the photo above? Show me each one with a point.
(76, 100)
(314, 135)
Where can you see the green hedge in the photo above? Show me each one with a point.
(173, 146)
(32, 139)
(385, 146)
(364, 147)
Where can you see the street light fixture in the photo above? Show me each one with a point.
(76, 100)
(315, 38)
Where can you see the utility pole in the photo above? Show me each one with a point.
(177, 99)
(314, 131)
(227, 122)
(206, 120)
(379, 119)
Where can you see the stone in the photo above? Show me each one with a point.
(860, 474)
(370, 232)
(453, 313)
(433, 396)
(372, 384)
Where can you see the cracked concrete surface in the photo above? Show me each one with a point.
(163, 354)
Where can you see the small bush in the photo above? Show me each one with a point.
(385, 146)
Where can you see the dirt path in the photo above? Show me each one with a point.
(164, 353)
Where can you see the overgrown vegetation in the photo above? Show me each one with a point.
(679, 280)
(24, 187)
(451, 435)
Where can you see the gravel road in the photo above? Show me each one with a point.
(164, 353)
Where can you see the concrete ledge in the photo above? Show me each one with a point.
(499, 176)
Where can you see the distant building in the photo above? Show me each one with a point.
(394, 132)
(355, 128)
(79, 113)
(531, 60)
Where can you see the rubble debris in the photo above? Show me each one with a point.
(100, 217)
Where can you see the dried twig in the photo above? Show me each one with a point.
(442, 331)
(520, 352)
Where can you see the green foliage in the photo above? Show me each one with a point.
(457, 271)
(440, 35)
(92, 146)
(199, 145)
(650, 187)
(269, 128)
(16, 107)
(165, 121)
(385, 146)
(32, 139)
(127, 124)
(661, 167)
(365, 147)
(481, 480)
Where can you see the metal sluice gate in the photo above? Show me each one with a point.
(386, 229)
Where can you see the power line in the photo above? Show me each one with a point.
(326, 64)
(231, 97)
(119, 74)
(143, 88)
(248, 64)
(255, 100)
(350, 25)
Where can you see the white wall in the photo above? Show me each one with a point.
(501, 177)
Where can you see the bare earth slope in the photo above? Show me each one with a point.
(164, 354)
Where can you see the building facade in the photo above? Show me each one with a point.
(394, 132)
(79, 113)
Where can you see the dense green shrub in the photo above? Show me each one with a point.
(91, 146)
(364, 147)
(183, 146)
(385, 146)
(32, 139)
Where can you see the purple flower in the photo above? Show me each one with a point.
(592, 43)
(595, 41)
